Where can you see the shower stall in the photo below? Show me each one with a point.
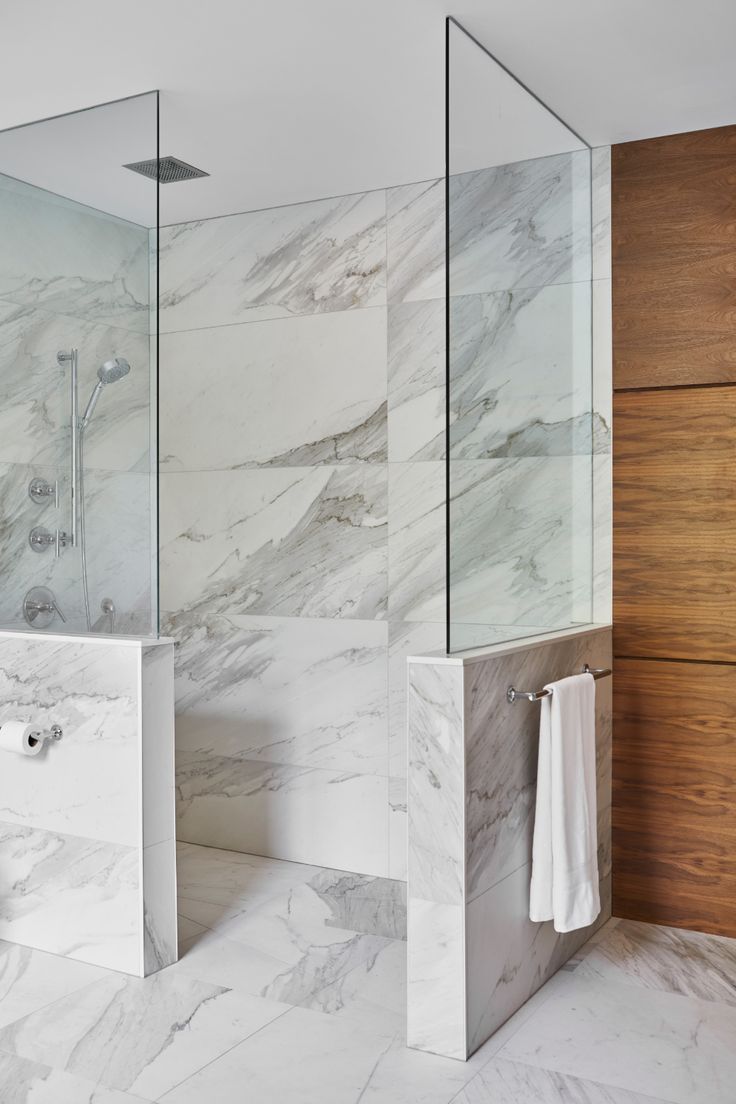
(78, 314)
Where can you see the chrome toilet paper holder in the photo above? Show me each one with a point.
(53, 733)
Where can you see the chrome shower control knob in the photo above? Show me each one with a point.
(41, 539)
(40, 490)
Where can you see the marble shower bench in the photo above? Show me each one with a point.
(87, 837)
(474, 957)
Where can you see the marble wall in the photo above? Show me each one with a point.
(302, 507)
(71, 276)
(472, 791)
(87, 847)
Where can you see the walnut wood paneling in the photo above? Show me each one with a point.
(674, 794)
(674, 259)
(674, 524)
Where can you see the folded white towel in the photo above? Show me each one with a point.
(564, 885)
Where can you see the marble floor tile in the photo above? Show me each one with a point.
(141, 1036)
(376, 906)
(26, 1082)
(374, 992)
(294, 542)
(671, 1047)
(30, 979)
(341, 355)
(504, 1082)
(305, 258)
(672, 959)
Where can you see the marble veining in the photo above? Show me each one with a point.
(70, 260)
(282, 690)
(504, 1082)
(289, 541)
(330, 367)
(307, 258)
(416, 380)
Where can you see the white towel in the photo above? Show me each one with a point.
(564, 885)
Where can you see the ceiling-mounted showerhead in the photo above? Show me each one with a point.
(109, 372)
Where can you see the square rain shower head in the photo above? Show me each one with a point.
(170, 170)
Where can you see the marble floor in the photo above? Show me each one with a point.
(291, 989)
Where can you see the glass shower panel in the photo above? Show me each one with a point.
(519, 358)
(78, 340)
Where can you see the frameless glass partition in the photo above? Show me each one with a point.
(519, 358)
(78, 339)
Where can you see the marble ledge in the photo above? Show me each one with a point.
(87, 637)
(508, 647)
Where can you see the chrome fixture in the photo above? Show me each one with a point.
(167, 170)
(40, 607)
(513, 695)
(108, 615)
(109, 372)
(40, 539)
(40, 491)
(72, 359)
(54, 733)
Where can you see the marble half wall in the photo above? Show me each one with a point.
(474, 956)
(87, 830)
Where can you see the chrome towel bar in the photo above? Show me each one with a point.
(513, 695)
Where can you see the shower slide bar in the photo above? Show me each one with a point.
(513, 695)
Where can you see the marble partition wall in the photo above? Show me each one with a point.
(302, 492)
(474, 957)
(87, 829)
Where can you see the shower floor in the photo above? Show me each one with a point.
(291, 990)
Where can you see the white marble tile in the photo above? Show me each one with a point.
(674, 1047)
(86, 784)
(285, 811)
(521, 545)
(526, 224)
(118, 525)
(602, 364)
(307, 391)
(416, 380)
(602, 538)
(520, 373)
(373, 993)
(26, 1082)
(376, 906)
(406, 638)
(436, 784)
(416, 241)
(35, 391)
(504, 1082)
(508, 956)
(283, 690)
(31, 979)
(231, 881)
(71, 896)
(285, 948)
(142, 1036)
(436, 987)
(398, 829)
(71, 260)
(289, 542)
(671, 959)
(416, 542)
(160, 935)
(157, 745)
(306, 258)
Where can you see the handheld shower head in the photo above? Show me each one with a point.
(113, 370)
(109, 372)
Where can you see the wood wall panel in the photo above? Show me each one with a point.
(674, 794)
(674, 523)
(674, 568)
(674, 243)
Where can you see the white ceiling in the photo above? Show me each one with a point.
(287, 100)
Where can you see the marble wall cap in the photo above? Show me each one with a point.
(88, 638)
(522, 644)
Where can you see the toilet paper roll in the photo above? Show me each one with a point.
(17, 736)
